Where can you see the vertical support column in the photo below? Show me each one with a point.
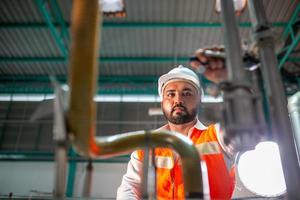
(243, 130)
(294, 111)
(60, 171)
(88, 180)
(234, 63)
(71, 174)
(61, 142)
(3, 128)
(281, 126)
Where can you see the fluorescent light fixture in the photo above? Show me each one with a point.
(239, 6)
(127, 98)
(113, 8)
(155, 111)
(101, 98)
(25, 97)
(260, 170)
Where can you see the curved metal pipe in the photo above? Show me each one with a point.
(126, 142)
(81, 116)
(294, 112)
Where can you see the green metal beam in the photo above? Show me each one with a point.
(290, 34)
(293, 59)
(289, 51)
(291, 21)
(48, 18)
(49, 156)
(3, 126)
(108, 84)
(59, 17)
(179, 25)
(71, 175)
(102, 59)
(101, 79)
(38, 137)
(29, 89)
(140, 25)
(105, 59)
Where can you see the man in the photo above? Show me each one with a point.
(181, 92)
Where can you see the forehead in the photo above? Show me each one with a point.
(179, 85)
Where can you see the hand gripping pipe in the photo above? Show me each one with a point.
(81, 116)
(243, 130)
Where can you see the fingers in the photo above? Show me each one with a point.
(210, 62)
(201, 56)
(216, 75)
(215, 63)
(206, 61)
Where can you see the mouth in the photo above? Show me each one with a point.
(178, 109)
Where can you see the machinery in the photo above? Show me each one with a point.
(75, 113)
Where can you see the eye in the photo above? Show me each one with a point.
(170, 94)
(187, 93)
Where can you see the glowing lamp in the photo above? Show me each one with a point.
(260, 170)
(113, 8)
(239, 6)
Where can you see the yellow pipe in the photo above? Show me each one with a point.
(81, 116)
(83, 72)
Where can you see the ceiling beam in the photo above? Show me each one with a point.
(48, 18)
(59, 17)
(140, 25)
(105, 59)
(40, 84)
(48, 89)
(60, 78)
(101, 59)
(291, 36)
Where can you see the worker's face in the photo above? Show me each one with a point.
(180, 102)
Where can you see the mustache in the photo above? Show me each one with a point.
(179, 106)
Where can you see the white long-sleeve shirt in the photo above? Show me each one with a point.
(131, 186)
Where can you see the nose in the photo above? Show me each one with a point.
(178, 99)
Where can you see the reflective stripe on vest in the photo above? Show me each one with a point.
(208, 148)
(169, 183)
(164, 162)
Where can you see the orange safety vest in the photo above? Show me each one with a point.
(169, 181)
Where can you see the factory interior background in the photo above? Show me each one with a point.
(152, 38)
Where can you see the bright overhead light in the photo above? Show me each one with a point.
(239, 6)
(113, 8)
(102, 98)
(260, 170)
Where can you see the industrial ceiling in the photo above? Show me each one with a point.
(154, 36)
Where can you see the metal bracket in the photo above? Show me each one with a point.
(261, 36)
(61, 139)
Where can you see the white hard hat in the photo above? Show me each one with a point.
(179, 73)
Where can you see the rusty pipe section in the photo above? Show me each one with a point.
(81, 116)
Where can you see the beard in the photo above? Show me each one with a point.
(180, 118)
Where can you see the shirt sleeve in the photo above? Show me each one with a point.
(131, 186)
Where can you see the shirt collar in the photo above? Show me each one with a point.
(200, 126)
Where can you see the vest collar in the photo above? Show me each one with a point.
(198, 125)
